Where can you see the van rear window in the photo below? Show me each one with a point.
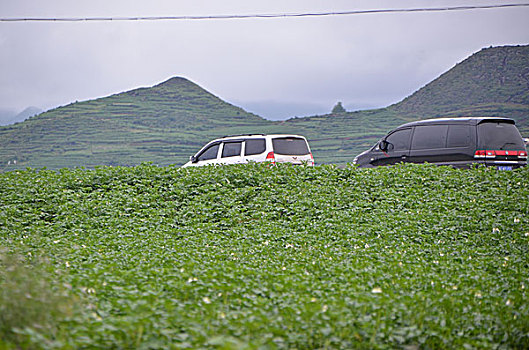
(290, 146)
(499, 136)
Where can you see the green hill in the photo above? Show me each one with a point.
(493, 78)
(158, 124)
(338, 138)
(167, 123)
(492, 82)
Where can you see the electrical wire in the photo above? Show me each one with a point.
(258, 16)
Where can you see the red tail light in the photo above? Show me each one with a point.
(485, 154)
(271, 157)
(312, 158)
(479, 154)
(507, 153)
(493, 154)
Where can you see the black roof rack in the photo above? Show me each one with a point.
(243, 135)
(462, 120)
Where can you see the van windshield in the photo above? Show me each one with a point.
(499, 136)
(290, 146)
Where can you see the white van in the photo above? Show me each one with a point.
(241, 149)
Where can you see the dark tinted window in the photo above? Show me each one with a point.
(458, 136)
(290, 146)
(254, 146)
(429, 136)
(209, 153)
(399, 140)
(231, 149)
(497, 136)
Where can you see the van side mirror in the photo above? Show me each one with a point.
(193, 159)
(383, 145)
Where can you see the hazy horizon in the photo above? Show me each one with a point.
(277, 68)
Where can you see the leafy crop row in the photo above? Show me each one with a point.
(255, 257)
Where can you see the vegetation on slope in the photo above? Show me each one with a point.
(338, 138)
(167, 123)
(161, 124)
(248, 257)
(493, 81)
(493, 75)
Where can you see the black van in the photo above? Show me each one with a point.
(458, 142)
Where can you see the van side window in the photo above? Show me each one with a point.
(458, 136)
(399, 140)
(209, 153)
(231, 149)
(429, 137)
(254, 146)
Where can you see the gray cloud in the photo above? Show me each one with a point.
(365, 60)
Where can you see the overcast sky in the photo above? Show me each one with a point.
(277, 68)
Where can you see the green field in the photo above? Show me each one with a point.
(257, 257)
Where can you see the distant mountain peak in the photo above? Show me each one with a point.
(29, 112)
(175, 81)
(20, 117)
(177, 86)
(493, 75)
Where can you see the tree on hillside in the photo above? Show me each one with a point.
(338, 108)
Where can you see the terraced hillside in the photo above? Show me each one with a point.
(492, 81)
(156, 124)
(338, 138)
(167, 123)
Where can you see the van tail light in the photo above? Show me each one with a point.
(479, 154)
(492, 154)
(312, 158)
(485, 154)
(271, 157)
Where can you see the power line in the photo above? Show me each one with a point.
(280, 15)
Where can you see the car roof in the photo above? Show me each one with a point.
(458, 120)
(246, 136)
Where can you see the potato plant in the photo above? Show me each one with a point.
(257, 257)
